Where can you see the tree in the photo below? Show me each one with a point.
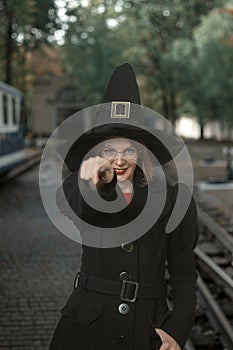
(161, 24)
(205, 68)
(11, 11)
(23, 26)
(94, 44)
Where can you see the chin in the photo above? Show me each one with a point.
(120, 178)
(123, 178)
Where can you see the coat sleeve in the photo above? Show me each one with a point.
(74, 205)
(183, 273)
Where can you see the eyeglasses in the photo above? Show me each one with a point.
(128, 153)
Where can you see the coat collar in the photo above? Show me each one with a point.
(140, 194)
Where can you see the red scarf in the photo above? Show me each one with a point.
(127, 197)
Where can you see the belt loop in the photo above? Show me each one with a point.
(76, 280)
(82, 279)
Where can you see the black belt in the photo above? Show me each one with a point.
(127, 290)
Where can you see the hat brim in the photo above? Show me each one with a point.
(164, 147)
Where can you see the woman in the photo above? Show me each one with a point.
(119, 299)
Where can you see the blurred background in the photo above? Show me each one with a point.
(61, 53)
(56, 57)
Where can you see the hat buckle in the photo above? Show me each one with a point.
(120, 109)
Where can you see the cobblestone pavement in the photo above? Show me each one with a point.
(37, 267)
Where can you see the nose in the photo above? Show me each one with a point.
(119, 160)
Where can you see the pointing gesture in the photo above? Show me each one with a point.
(97, 169)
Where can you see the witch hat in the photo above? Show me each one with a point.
(121, 115)
(122, 86)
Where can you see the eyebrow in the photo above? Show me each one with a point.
(114, 146)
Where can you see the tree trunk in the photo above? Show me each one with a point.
(172, 108)
(165, 105)
(8, 45)
(201, 123)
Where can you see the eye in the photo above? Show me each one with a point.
(109, 152)
(131, 151)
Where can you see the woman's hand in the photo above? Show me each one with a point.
(97, 169)
(168, 343)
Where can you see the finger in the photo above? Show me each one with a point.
(102, 170)
(83, 170)
(105, 171)
(103, 162)
(160, 333)
(165, 346)
(96, 168)
(88, 169)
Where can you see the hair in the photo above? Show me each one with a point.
(144, 170)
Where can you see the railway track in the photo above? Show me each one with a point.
(213, 328)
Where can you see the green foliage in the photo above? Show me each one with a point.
(23, 26)
(204, 64)
(94, 44)
(187, 57)
(162, 23)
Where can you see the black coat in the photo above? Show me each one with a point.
(92, 320)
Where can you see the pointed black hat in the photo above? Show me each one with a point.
(121, 115)
(122, 86)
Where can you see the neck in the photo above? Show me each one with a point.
(126, 186)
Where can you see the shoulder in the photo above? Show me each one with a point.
(181, 190)
(183, 202)
(183, 217)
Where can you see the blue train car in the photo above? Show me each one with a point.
(11, 127)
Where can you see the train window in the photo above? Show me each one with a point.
(5, 110)
(14, 110)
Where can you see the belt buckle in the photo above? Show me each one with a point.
(123, 289)
(76, 280)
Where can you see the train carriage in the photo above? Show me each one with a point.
(11, 127)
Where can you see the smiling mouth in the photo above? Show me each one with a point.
(120, 171)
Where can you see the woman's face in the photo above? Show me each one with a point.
(123, 156)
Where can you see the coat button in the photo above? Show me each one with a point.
(124, 275)
(124, 309)
(127, 247)
(122, 340)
